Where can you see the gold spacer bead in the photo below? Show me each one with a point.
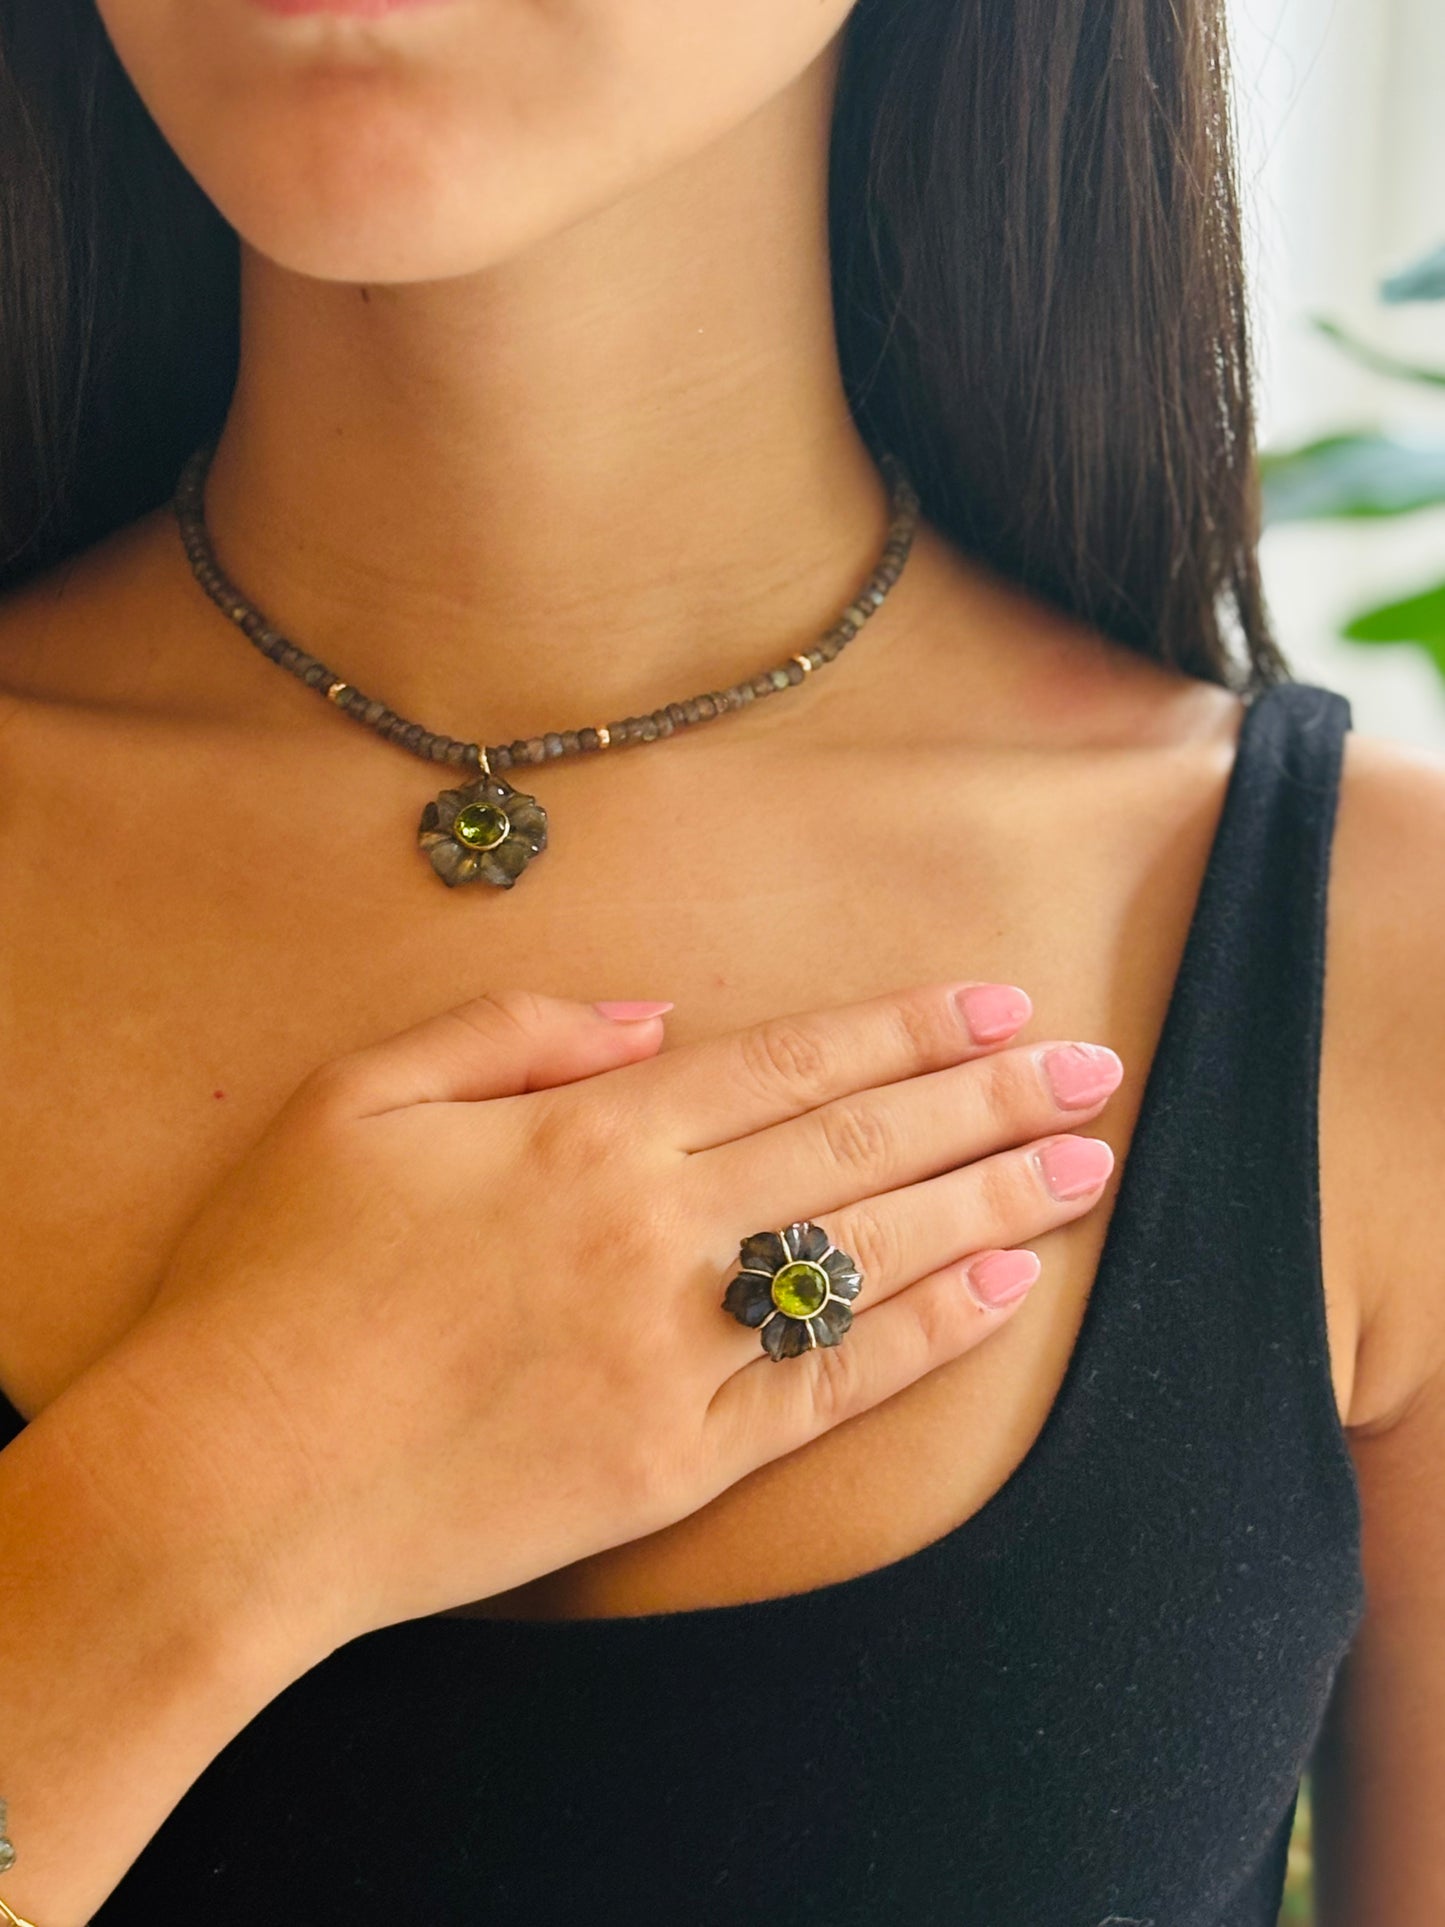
(603, 738)
(807, 666)
(337, 691)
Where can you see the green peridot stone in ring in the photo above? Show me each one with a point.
(481, 826)
(800, 1288)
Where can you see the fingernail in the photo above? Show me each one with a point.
(992, 1011)
(1073, 1166)
(622, 1012)
(1001, 1277)
(1081, 1074)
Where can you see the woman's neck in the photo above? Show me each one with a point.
(607, 473)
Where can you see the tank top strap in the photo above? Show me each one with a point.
(1237, 1068)
(1209, 1334)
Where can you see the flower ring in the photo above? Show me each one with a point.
(484, 829)
(797, 1286)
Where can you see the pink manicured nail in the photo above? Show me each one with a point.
(630, 1013)
(1081, 1074)
(1002, 1277)
(992, 1011)
(1073, 1166)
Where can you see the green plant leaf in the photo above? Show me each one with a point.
(1417, 618)
(1422, 280)
(1355, 473)
(1376, 358)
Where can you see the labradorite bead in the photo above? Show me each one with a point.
(800, 1288)
(481, 826)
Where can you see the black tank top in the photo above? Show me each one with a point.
(1088, 1706)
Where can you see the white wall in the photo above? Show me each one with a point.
(1340, 106)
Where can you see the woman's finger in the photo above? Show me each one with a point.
(727, 1087)
(899, 1134)
(496, 1045)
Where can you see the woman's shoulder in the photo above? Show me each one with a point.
(87, 643)
(1382, 1086)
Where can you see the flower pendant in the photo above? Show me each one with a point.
(485, 829)
(797, 1286)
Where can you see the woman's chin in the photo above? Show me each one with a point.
(340, 211)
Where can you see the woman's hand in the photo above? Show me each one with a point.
(456, 1318)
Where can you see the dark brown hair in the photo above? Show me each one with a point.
(1037, 274)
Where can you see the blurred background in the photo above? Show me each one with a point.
(1341, 116)
(1340, 107)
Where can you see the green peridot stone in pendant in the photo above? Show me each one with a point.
(481, 826)
(800, 1288)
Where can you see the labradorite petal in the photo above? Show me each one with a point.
(806, 1240)
(795, 1340)
(749, 1297)
(774, 1332)
(512, 856)
(844, 1276)
(529, 821)
(446, 858)
(763, 1251)
(824, 1334)
(467, 868)
(835, 1319)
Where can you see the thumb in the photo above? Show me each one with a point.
(496, 1045)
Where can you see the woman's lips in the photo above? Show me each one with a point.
(363, 9)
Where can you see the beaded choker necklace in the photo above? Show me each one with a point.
(484, 829)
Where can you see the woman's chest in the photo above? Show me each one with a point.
(161, 1005)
